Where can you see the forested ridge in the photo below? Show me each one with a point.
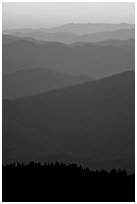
(65, 182)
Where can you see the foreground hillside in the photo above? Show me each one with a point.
(94, 120)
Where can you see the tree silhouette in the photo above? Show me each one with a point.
(65, 182)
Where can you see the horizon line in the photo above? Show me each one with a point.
(61, 25)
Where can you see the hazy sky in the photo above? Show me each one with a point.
(19, 15)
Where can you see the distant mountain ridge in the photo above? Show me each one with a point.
(68, 38)
(6, 39)
(77, 28)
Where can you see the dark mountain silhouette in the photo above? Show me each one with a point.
(77, 28)
(34, 81)
(94, 61)
(36, 182)
(67, 38)
(93, 120)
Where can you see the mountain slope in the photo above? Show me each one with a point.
(6, 39)
(23, 142)
(92, 120)
(77, 28)
(67, 38)
(128, 44)
(118, 43)
(34, 81)
(94, 61)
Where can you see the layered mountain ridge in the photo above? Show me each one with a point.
(91, 120)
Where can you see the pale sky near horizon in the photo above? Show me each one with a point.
(35, 15)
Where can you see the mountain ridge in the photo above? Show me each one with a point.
(68, 38)
(75, 118)
(33, 81)
(102, 60)
(6, 39)
(78, 28)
